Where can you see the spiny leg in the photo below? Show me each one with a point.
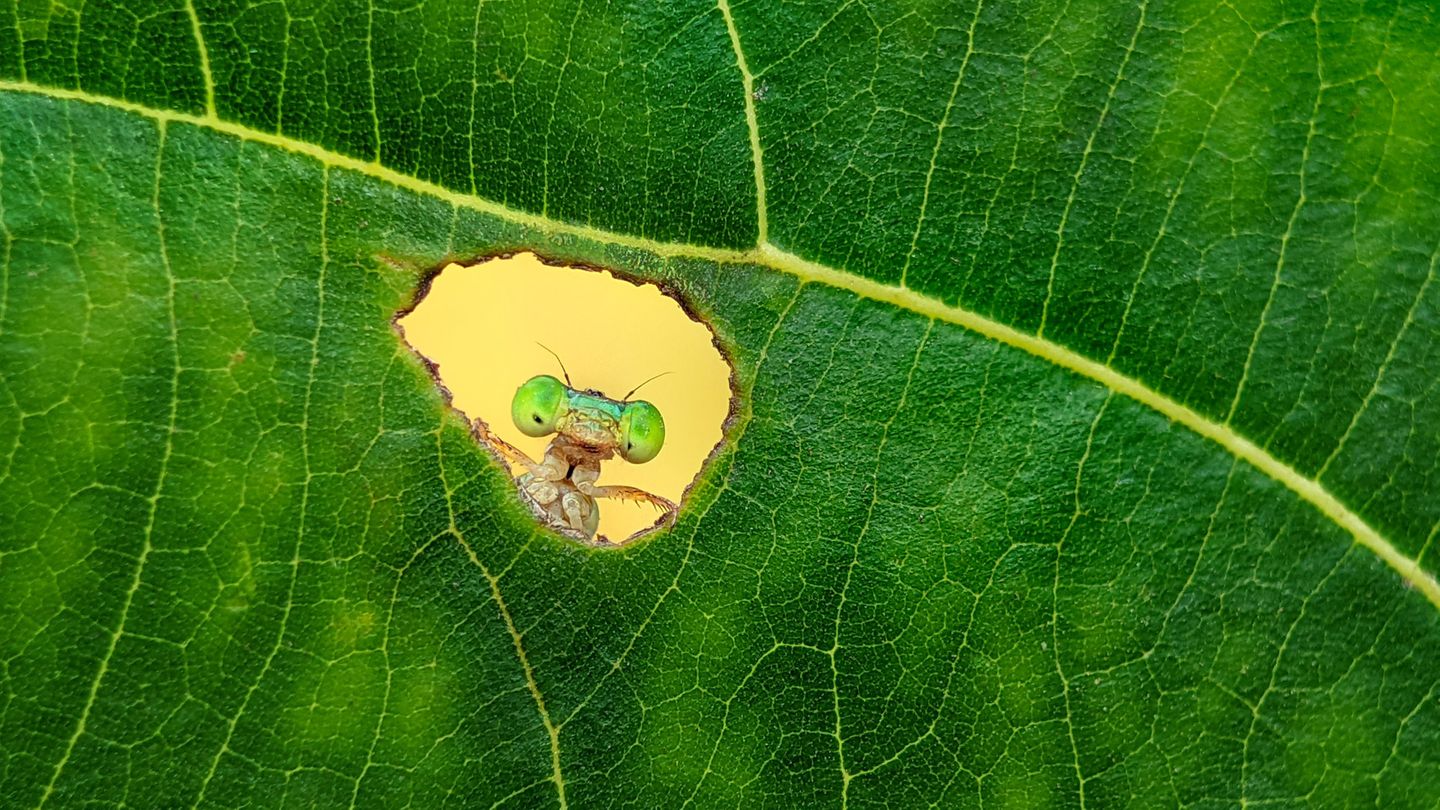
(540, 483)
(623, 493)
(552, 468)
(585, 476)
(507, 450)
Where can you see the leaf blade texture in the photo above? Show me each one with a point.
(1086, 352)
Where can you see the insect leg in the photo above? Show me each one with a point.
(542, 491)
(585, 476)
(627, 494)
(551, 468)
(507, 450)
(581, 512)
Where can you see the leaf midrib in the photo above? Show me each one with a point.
(766, 254)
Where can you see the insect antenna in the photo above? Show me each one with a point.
(562, 363)
(643, 384)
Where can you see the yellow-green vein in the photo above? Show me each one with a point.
(153, 500)
(940, 138)
(747, 78)
(552, 731)
(1308, 489)
(1085, 161)
(204, 59)
(769, 256)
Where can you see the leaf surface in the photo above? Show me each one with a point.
(1088, 361)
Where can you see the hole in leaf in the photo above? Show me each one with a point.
(483, 327)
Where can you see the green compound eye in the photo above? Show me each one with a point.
(642, 432)
(538, 404)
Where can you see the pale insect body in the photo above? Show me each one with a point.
(589, 428)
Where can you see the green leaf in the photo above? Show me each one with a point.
(1090, 445)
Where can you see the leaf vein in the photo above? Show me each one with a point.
(551, 729)
(304, 497)
(154, 498)
(751, 123)
(204, 59)
(768, 256)
(1163, 230)
(845, 774)
(1084, 161)
(940, 137)
(1300, 200)
(1384, 365)
(1055, 598)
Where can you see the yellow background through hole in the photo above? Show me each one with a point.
(480, 326)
